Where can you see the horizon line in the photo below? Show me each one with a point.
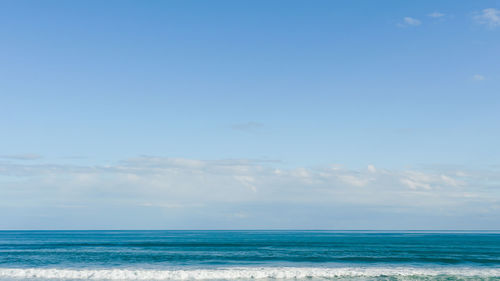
(270, 229)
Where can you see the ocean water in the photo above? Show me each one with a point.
(247, 255)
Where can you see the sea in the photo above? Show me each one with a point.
(249, 255)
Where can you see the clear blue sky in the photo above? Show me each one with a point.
(153, 103)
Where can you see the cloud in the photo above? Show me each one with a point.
(489, 17)
(353, 180)
(26, 156)
(478, 77)
(451, 181)
(409, 21)
(190, 192)
(372, 169)
(436, 15)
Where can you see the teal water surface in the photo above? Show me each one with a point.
(157, 255)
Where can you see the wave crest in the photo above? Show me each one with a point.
(241, 273)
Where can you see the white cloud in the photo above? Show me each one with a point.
(478, 77)
(489, 17)
(436, 15)
(451, 181)
(413, 184)
(430, 181)
(353, 180)
(412, 21)
(199, 188)
(372, 169)
(417, 180)
(248, 181)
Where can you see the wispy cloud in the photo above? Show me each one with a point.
(489, 17)
(409, 21)
(478, 77)
(198, 187)
(182, 175)
(436, 15)
(26, 156)
(412, 21)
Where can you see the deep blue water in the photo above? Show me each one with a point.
(248, 254)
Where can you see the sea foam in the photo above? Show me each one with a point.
(241, 273)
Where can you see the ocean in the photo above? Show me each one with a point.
(245, 255)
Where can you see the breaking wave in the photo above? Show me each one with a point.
(245, 273)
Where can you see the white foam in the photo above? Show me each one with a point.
(240, 273)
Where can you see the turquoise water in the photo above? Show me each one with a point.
(242, 255)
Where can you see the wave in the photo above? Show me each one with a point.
(242, 273)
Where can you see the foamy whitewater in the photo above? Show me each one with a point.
(244, 255)
(244, 273)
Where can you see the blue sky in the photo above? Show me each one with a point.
(250, 114)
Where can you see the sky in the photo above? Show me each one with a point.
(250, 114)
